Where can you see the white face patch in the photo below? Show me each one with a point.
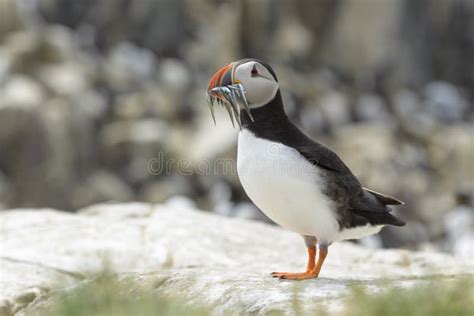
(258, 82)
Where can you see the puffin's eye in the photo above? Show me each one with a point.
(254, 71)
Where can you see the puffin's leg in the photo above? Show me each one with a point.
(311, 246)
(323, 251)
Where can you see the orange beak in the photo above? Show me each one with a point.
(222, 77)
(222, 90)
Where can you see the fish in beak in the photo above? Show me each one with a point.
(230, 94)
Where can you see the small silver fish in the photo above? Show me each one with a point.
(230, 97)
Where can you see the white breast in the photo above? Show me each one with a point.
(286, 187)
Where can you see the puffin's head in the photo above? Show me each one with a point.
(245, 84)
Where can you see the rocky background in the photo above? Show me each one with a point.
(105, 101)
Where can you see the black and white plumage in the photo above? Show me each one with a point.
(297, 182)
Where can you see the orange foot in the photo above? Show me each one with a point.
(295, 276)
(312, 270)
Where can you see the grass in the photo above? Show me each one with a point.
(438, 297)
(107, 295)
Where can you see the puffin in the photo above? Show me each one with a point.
(297, 182)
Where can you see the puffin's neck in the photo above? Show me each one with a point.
(269, 120)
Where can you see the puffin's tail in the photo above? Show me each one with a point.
(385, 199)
(393, 220)
(379, 218)
(385, 217)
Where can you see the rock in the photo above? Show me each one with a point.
(313, 120)
(450, 153)
(444, 101)
(293, 40)
(130, 106)
(9, 16)
(216, 35)
(194, 254)
(377, 144)
(92, 104)
(60, 45)
(335, 108)
(67, 79)
(180, 202)
(174, 75)
(24, 142)
(219, 194)
(372, 241)
(371, 107)
(148, 131)
(25, 48)
(122, 71)
(6, 62)
(167, 187)
(408, 107)
(406, 103)
(412, 234)
(463, 246)
(5, 191)
(101, 186)
(248, 210)
(459, 223)
(173, 98)
(129, 146)
(364, 37)
(163, 104)
(211, 141)
(136, 132)
(22, 282)
(21, 91)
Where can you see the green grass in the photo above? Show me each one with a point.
(107, 295)
(436, 297)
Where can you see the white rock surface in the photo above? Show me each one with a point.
(209, 259)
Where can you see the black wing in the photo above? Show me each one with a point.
(357, 205)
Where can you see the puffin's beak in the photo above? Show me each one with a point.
(223, 77)
(222, 90)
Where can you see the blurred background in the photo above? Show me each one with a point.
(91, 91)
